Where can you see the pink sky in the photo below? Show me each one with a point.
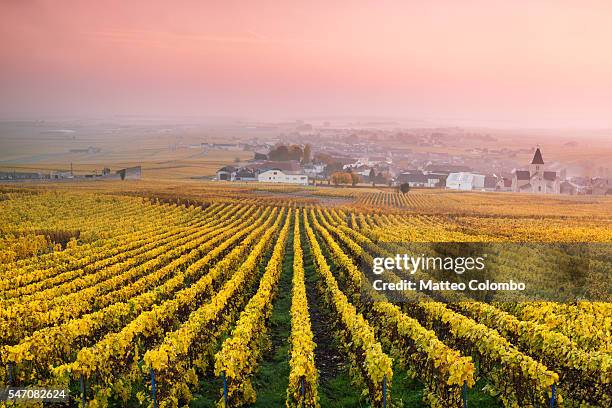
(526, 62)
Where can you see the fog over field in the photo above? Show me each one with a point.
(87, 86)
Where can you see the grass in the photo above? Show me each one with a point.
(210, 386)
(271, 381)
(335, 385)
(406, 391)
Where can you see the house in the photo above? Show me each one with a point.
(582, 184)
(313, 169)
(245, 174)
(447, 168)
(600, 186)
(363, 171)
(368, 162)
(504, 184)
(416, 178)
(290, 165)
(568, 188)
(130, 173)
(283, 176)
(226, 173)
(413, 179)
(465, 181)
(490, 183)
(225, 146)
(536, 179)
(62, 174)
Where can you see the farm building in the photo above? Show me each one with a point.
(421, 179)
(226, 173)
(283, 176)
(245, 174)
(465, 181)
(13, 175)
(130, 173)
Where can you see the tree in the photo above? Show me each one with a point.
(295, 153)
(323, 157)
(372, 177)
(306, 154)
(341, 178)
(404, 188)
(333, 167)
(355, 179)
(280, 153)
(381, 178)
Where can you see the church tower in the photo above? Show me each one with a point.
(537, 164)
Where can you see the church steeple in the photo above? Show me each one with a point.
(537, 157)
(537, 164)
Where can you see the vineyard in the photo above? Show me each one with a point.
(245, 300)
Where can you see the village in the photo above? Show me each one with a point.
(317, 152)
(294, 165)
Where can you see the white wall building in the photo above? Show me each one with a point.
(313, 169)
(465, 181)
(281, 176)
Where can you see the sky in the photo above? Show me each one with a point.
(527, 63)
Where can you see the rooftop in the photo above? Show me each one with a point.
(537, 157)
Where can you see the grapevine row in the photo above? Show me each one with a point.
(192, 345)
(303, 374)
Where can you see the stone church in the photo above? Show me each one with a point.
(536, 179)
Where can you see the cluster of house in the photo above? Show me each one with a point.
(290, 172)
(534, 179)
(462, 178)
(586, 185)
(432, 176)
(129, 173)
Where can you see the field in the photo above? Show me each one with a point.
(166, 293)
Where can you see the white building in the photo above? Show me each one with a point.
(282, 176)
(313, 169)
(465, 181)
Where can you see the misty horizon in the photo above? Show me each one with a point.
(333, 120)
